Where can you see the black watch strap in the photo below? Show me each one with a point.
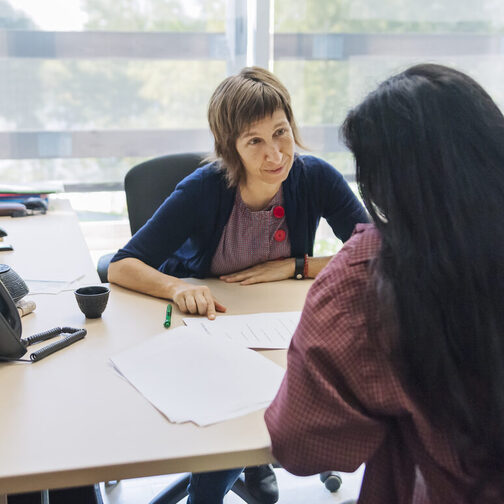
(299, 268)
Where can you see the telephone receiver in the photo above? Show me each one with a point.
(10, 327)
(12, 347)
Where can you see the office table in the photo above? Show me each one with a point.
(70, 420)
(49, 246)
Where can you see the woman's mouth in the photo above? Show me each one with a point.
(275, 170)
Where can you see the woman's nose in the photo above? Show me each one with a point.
(273, 153)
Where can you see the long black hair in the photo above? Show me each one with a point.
(429, 151)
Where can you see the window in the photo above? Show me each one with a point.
(88, 93)
(331, 53)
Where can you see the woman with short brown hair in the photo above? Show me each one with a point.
(248, 216)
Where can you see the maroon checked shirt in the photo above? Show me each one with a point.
(342, 403)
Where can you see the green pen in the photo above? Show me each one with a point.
(167, 321)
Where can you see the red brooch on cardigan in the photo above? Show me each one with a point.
(278, 212)
(279, 235)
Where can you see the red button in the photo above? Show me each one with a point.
(279, 235)
(278, 212)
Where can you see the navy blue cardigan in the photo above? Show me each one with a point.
(181, 237)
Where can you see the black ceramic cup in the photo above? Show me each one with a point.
(92, 300)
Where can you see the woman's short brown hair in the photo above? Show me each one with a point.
(238, 102)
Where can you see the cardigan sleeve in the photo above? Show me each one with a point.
(338, 203)
(319, 420)
(170, 226)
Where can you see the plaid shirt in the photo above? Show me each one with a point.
(342, 402)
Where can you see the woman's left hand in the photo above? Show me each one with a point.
(270, 271)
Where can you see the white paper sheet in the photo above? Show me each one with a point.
(191, 377)
(52, 286)
(257, 330)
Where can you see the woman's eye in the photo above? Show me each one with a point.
(280, 132)
(254, 141)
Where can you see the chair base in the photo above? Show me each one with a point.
(332, 480)
(178, 490)
(174, 492)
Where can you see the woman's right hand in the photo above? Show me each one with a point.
(136, 275)
(196, 299)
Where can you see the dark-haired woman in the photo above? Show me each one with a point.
(398, 360)
(248, 217)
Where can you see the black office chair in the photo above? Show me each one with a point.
(147, 185)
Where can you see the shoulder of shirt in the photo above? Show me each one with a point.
(352, 260)
(308, 161)
(206, 174)
(312, 169)
(363, 245)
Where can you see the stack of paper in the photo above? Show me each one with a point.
(20, 193)
(191, 377)
(258, 330)
(44, 187)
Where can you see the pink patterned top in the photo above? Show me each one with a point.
(251, 238)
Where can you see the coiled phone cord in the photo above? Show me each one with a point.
(73, 336)
(42, 336)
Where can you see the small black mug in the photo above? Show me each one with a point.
(92, 300)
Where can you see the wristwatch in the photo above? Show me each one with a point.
(299, 268)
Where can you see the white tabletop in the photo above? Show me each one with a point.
(48, 247)
(71, 420)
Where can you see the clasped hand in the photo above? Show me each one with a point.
(270, 271)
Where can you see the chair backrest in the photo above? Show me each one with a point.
(149, 183)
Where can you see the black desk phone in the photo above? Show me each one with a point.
(10, 327)
(12, 346)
